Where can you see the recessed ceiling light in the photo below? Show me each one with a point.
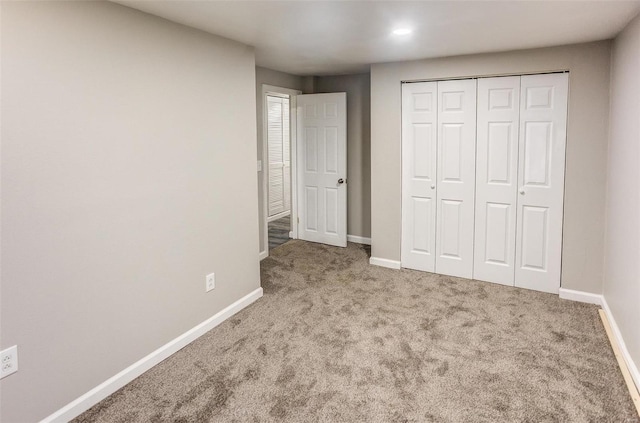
(402, 31)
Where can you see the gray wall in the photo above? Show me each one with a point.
(622, 244)
(128, 174)
(282, 80)
(582, 254)
(358, 89)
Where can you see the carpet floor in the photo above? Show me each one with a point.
(335, 339)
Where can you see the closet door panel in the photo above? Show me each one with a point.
(496, 179)
(543, 128)
(456, 177)
(419, 143)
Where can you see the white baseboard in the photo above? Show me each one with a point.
(359, 239)
(111, 385)
(291, 234)
(263, 255)
(586, 297)
(633, 369)
(580, 296)
(391, 264)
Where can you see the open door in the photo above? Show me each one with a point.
(322, 168)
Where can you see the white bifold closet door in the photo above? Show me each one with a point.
(497, 179)
(278, 142)
(522, 125)
(438, 154)
(541, 151)
(419, 158)
(456, 176)
(483, 178)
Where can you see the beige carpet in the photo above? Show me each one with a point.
(337, 340)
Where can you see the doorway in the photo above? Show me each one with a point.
(303, 168)
(278, 179)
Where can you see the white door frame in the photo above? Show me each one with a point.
(291, 95)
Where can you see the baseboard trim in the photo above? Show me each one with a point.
(626, 375)
(581, 296)
(111, 385)
(263, 255)
(391, 264)
(587, 297)
(631, 365)
(359, 239)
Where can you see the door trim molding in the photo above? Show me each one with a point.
(264, 174)
(486, 75)
(111, 385)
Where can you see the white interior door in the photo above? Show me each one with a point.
(543, 129)
(419, 152)
(496, 179)
(278, 142)
(322, 168)
(456, 177)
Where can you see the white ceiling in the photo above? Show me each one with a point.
(334, 37)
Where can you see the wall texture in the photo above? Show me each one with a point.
(128, 174)
(622, 242)
(282, 80)
(358, 89)
(582, 264)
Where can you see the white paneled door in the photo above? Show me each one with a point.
(322, 168)
(543, 133)
(456, 177)
(496, 179)
(278, 144)
(419, 155)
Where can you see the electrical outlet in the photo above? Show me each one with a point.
(8, 361)
(211, 282)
